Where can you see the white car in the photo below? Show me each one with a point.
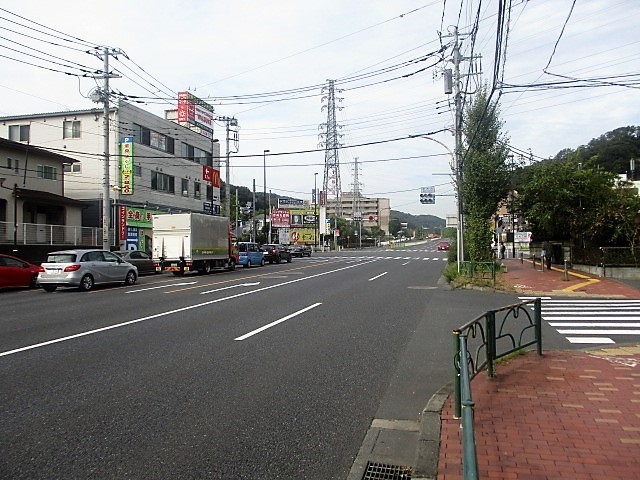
(84, 269)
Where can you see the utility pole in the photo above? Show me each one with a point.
(229, 122)
(458, 148)
(106, 187)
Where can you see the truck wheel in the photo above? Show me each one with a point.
(206, 268)
(231, 265)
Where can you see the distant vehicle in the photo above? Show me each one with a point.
(142, 260)
(443, 246)
(16, 273)
(84, 269)
(187, 242)
(250, 254)
(276, 253)
(300, 250)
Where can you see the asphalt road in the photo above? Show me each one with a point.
(272, 372)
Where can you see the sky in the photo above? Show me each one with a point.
(266, 63)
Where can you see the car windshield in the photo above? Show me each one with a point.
(61, 258)
(242, 247)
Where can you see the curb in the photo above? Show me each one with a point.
(428, 449)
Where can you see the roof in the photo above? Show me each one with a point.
(26, 193)
(65, 113)
(22, 147)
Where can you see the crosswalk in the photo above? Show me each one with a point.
(389, 257)
(595, 321)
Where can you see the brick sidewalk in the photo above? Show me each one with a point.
(526, 279)
(568, 415)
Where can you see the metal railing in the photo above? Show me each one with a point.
(477, 345)
(479, 270)
(47, 234)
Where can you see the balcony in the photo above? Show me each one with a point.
(45, 234)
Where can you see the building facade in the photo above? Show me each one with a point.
(155, 165)
(373, 212)
(33, 205)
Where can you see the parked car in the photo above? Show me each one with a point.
(443, 246)
(84, 269)
(15, 273)
(142, 261)
(249, 254)
(300, 250)
(276, 253)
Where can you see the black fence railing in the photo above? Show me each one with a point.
(477, 345)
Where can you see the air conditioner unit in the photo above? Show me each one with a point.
(185, 193)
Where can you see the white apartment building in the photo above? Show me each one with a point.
(166, 173)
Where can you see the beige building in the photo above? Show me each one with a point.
(374, 212)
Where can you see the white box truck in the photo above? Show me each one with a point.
(186, 242)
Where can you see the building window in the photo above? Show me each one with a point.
(45, 171)
(187, 152)
(162, 182)
(196, 190)
(71, 129)
(19, 133)
(185, 187)
(13, 164)
(145, 136)
(209, 192)
(137, 170)
(72, 168)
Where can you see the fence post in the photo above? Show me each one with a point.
(490, 318)
(456, 378)
(537, 318)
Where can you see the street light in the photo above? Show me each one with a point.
(456, 168)
(264, 170)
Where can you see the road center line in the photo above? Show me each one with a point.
(170, 312)
(273, 324)
(378, 276)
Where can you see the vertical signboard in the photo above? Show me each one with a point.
(126, 166)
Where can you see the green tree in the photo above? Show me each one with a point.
(485, 173)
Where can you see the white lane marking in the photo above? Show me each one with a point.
(170, 312)
(571, 331)
(590, 340)
(231, 286)
(586, 317)
(406, 263)
(595, 324)
(161, 286)
(378, 276)
(272, 324)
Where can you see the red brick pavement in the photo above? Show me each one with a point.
(532, 281)
(568, 415)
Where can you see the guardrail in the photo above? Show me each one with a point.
(478, 344)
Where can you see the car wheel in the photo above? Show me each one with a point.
(33, 282)
(279, 260)
(49, 288)
(248, 264)
(131, 278)
(86, 283)
(289, 259)
(262, 262)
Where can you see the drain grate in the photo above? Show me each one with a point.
(381, 471)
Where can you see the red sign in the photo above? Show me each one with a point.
(211, 175)
(123, 222)
(280, 218)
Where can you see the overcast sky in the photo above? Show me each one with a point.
(381, 54)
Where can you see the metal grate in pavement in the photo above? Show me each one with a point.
(381, 471)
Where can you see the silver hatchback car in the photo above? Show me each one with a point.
(84, 269)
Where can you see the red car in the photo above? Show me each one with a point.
(443, 246)
(17, 273)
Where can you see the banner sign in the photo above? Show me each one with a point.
(280, 218)
(288, 202)
(196, 112)
(126, 165)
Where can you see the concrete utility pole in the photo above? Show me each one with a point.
(458, 149)
(229, 122)
(106, 187)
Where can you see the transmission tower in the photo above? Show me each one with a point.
(329, 139)
(356, 214)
